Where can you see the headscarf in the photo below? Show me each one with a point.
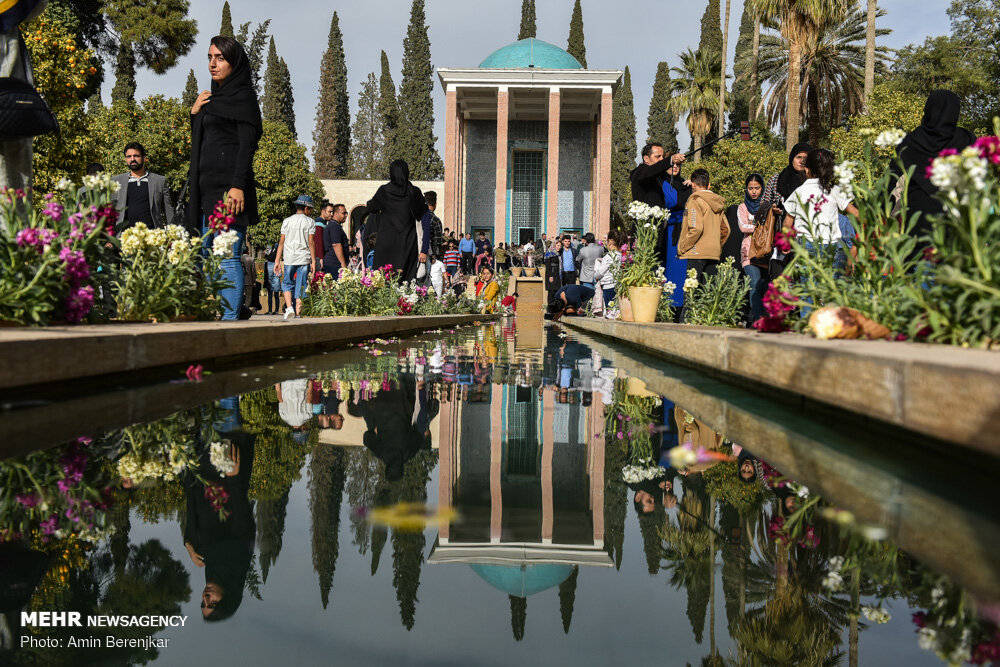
(235, 98)
(938, 130)
(789, 179)
(753, 204)
(399, 178)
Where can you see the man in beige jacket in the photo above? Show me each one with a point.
(704, 229)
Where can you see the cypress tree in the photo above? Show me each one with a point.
(227, 21)
(190, 90)
(332, 136)
(623, 148)
(368, 139)
(124, 90)
(254, 46)
(711, 41)
(576, 46)
(518, 615)
(277, 104)
(742, 91)
(661, 124)
(528, 27)
(388, 111)
(415, 143)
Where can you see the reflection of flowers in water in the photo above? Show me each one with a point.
(876, 614)
(217, 496)
(219, 456)
(633, 474)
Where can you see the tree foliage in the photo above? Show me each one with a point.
(367, 160)
(623, 148)
(696, 92)
(742, 92)
(190, 90)
(62, 72)
(327, 474)
(226, 28)
(332, 136)
(888, 108)
(388, 110)
(661, 124)
(282, 173)
(254, 46)
(576, 46)
(416, 143)
(734, 159)
(278, 103)
(711, 28)
(528, 27)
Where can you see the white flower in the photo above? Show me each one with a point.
(946, 173)
(876, 614)
(927, 638)
(669, 287)
(633, 474)
(176, 233)
(803, 492)
(833, 581)
(156, 237)
(837, 563)
(133, 239)
(222, 246)
(219, 456)
(176, 252)
(937, 594)
(690, 283)
(889, 138)
(64, 184)
(844, 173)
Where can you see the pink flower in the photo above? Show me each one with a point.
(989, 148)
(76, 268)
(194, 372)
(78, 303)
(948, 151)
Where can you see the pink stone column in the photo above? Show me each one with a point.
(451, 159)
(552, 203)
(597, 470)
(548, 444)
(603, 195)
(500, 213)
(496, 461)
(448, 419)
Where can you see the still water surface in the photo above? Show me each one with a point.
(473, 497)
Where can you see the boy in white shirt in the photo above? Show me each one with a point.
(296, 254)
(437, 275)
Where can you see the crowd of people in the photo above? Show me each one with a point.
(398, 227)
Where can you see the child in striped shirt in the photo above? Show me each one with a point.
(452, 258)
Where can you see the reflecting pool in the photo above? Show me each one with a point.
(482, 496)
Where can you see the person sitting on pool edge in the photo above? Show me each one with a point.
(487, 289)
(569, 300)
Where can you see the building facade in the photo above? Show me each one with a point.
(528, 144)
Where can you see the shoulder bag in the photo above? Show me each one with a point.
(23, 111)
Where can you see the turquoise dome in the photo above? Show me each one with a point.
(523, 580)
(530, 53)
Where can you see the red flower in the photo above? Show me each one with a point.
(194, 372)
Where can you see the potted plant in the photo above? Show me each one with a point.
(639, 275)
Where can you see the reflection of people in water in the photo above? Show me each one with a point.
(21, 570)
(294, 407)
(329, 415)
(223, 545)
(697, 434)
(653, 493)
(394, 418)
(747, 466)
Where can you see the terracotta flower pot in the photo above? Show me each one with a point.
(645, 301)
(515, 271)
(624, 308)
(530, 270)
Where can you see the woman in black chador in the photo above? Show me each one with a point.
(219, 528)
(394, 418)
(399, 205)
(225, 129)
(938, 130)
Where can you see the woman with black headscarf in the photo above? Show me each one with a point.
(225, 129)
(938, 130)
(399, 206)
(778, 189)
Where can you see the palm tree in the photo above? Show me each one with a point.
(722, 79)
(870, 49)
(832, 71)
(755, 69)
(695, 93)
(799, 21)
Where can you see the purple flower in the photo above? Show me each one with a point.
(36, 238)
(49, 525)
(78, 303)
(29, 500)
(77, 269)
(54, 210)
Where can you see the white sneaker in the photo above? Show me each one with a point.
(289, 312)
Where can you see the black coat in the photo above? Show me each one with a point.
(647, 182)
(400, 206)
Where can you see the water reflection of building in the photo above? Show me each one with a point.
(528, 485)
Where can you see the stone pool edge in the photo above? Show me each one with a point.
(31, 357)
(942, 391)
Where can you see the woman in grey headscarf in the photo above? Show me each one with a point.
(398, 205)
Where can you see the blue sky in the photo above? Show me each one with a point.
(463, 32)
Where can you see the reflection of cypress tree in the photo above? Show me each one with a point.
(615, 500)
(270, 528)
(326, 491)
(733, 563)
(567, 596)
(363, 478)
(379, 537)
(408, 547)
(694, 570)
(518, 614)
(119, 519)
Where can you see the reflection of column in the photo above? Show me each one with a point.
(500, 213)
(596, 448)
(552, 205)
(603, 202)
(548, 438)
(496, 457)
(451, 159)
(448, 420)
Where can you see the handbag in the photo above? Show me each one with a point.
(762, 240)
(23, 111)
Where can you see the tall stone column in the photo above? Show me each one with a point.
(548, 445)
(452, 161)
(500, 213)
(603, 195)
(496, 461)
(552, 186)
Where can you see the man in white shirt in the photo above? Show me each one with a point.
(296, 254)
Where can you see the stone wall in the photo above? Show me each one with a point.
(354, 193)
(480, 173)
(575, 177)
